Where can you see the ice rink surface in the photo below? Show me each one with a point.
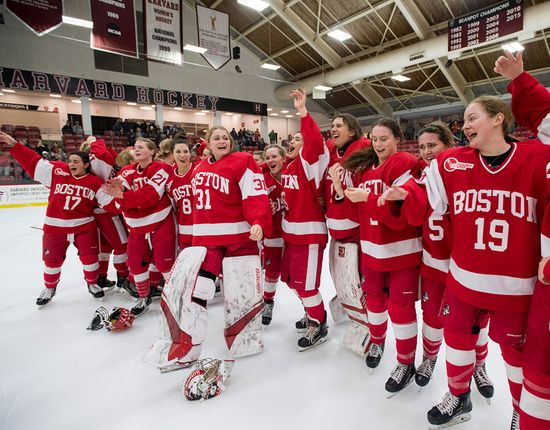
(54, 374)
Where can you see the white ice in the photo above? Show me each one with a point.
(54, 374)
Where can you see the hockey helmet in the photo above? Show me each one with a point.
(206, 378)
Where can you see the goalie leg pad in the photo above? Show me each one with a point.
(337, 311)
(204, 288)
(243, 301)
(182, 321)
(357, 338)
(344, 270)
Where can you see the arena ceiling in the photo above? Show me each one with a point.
(294, 35)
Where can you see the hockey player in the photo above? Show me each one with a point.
(391, 251)
(496, 208)
(139, 191)
(179, 189)
(304, 228)
(343, 225)
(69, 215)
(273, 245)
(113, 235)
(437, 238)
(531, 108)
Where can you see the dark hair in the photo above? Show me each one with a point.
(84, 156)
(351, 122)
(366, 158)
(493, 106)
(441, 130)
(179, 141)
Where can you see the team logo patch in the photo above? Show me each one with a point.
(127, 172)
(451, 164)
(341, 251)
(60, 172)
(446, 310)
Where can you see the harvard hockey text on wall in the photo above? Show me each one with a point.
(101, 90)
(485, 25)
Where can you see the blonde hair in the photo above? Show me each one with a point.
(85, 147)
(260, 154)
(150, 144)
(278, 147)
(166, 147)
(125, 157)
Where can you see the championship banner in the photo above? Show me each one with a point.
(114, 27)
(41, 16)
(213, 28)
(163, 30)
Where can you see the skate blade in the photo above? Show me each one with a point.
(488, 400)
(390, 395)
(126, 293)
(456, 420)
(177, 366)
(319, 342)
(110, 290)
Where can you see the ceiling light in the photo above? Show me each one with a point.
(1, 94)
(258, 5)
(322, 88)
(76, 101)
(131, 104)
(8, 91)
(297, 113)
(269, 109)
(229, 113)
(200, 113)
(146, 108)
(513, 47)
(194, 48)
(400, 78)
(289, 116)
(270, 66)
(274, 114)
(339, 35)
(57, 96)
(78, 22)
(284, 111)
(178, 108)
(205, 111)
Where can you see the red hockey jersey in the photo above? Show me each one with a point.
(342, 216)
(495, 216)
(388, 243)
(304, 220)
(144, 203)
(180, 190)
(229, 196)
(72, 200)
(274, 189)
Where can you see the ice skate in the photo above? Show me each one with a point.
(424, 372)
(316, 334)
(96, 291)
(126, 287)
(483, 383)
(374, 355)
(401, 376)
(301, 325)
(156, 292)
(514, 425)
(267, 312)
(452, 410)
(106, 284)
(46, 295)
(142, 306)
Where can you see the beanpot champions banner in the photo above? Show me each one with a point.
(41, 16)
(101, 90)
(213, 27)
(163, 31)
(114, 27)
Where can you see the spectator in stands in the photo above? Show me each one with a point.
(67, 128)
(41, 147)
(57, 154)
(118, 128)
(5, 165)
(261, 143)
(234, 134)
(410, 131)
(77, 129)
(273, 137)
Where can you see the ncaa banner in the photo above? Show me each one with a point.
(163, 30)
(213, 27)
(41, 16)
(114, 27)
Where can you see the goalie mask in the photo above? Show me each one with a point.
(118, 319)
(206, 378)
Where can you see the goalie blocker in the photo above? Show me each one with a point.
(350, 300)
(183, 320)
